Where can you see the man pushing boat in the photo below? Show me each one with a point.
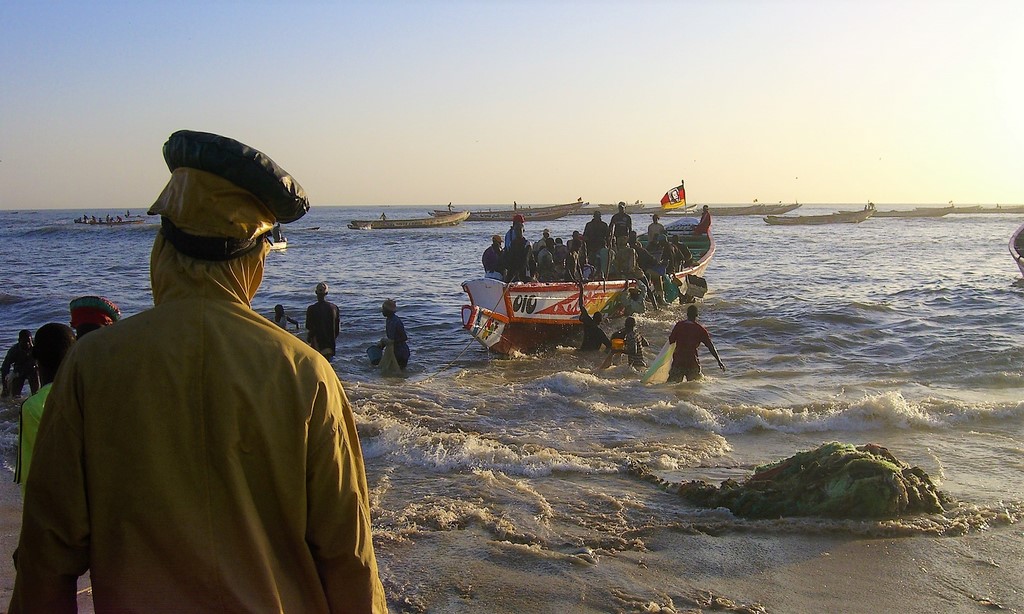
(688, 335)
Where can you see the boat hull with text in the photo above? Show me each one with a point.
(509, 318)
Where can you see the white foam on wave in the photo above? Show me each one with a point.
(684, 414)
(382, 435)
(885, 410)
(571, 383)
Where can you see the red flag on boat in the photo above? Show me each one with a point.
(674, 198)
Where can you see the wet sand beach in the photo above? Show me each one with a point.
(731, 572)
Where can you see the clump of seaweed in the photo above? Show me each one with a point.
(834, 480)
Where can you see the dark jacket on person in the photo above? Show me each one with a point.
(394, 329)
(621, 224)
(593, 337)
(20, 360)
(595, 233)
(323, 321)
(519, 260)
(493, 260)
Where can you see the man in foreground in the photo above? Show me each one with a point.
(688, 335)
(196, 457)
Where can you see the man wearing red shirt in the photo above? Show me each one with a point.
(704, 226)
(688, 335)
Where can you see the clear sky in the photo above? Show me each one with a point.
(486, 102)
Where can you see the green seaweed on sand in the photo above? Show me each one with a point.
(834, 480)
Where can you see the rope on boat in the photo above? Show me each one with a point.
(504, 294)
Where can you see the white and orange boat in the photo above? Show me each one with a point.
(1017, 248)
(526, 317)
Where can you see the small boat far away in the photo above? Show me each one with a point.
(733, 210)
(530, 214)
(917, 212)
(438, 221)
(841, 217)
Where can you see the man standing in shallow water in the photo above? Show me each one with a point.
(688, 335)
(195, 457)
(323, 321)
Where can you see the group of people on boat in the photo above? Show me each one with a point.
(108, 219)
(603, 251)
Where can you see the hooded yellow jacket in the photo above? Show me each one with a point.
(195, 457)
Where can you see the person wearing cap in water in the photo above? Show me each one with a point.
(323, 321)
(89, 313)
(195, 457)
(394, 332)
(52, 343)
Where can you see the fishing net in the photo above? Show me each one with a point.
(835, 480)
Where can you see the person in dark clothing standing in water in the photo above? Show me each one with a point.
(323, 321)
(594, 338)
(21, 365)
(394, 330)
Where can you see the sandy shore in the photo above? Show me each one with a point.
(10, 526)
(785, 573)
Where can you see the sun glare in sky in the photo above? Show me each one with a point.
(538, 102)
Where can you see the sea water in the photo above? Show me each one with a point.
(500, 484)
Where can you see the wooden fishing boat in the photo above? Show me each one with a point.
(1017, 248)
(110, 222)
(525, 317)
(916, 212)
(728, 211)
(996, 209)
(530, 214)
(841, 217)
(611, 209)
(438, 221)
